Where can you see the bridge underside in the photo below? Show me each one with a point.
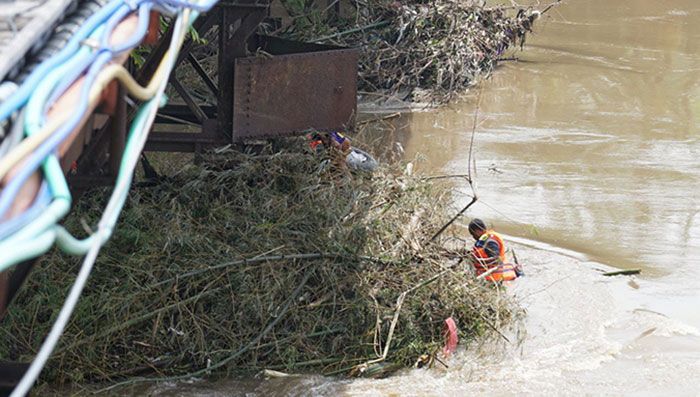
(265, 87)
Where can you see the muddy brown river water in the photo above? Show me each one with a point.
(587, 158)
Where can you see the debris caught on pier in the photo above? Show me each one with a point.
(417, 49)
(623, 272)
(258, 261)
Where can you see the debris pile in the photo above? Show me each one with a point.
(258, 261)
(417, 48)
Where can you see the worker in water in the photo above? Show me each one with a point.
(489, 252)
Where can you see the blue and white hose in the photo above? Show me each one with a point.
(135, 144)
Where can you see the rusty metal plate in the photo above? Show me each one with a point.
(291, 94)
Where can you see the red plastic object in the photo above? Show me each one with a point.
(451, 338)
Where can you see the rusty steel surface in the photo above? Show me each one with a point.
(290, 94)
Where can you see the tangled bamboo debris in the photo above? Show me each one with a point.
(420, 50)
(249, 262)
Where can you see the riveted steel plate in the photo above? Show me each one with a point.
(291, 94)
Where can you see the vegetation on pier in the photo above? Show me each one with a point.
(411, 50)
(251, 261)
(415, 49)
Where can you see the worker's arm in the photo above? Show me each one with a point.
(492, 249)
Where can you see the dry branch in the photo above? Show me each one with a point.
(327, 259)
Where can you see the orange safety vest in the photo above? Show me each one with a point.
(484, 263)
